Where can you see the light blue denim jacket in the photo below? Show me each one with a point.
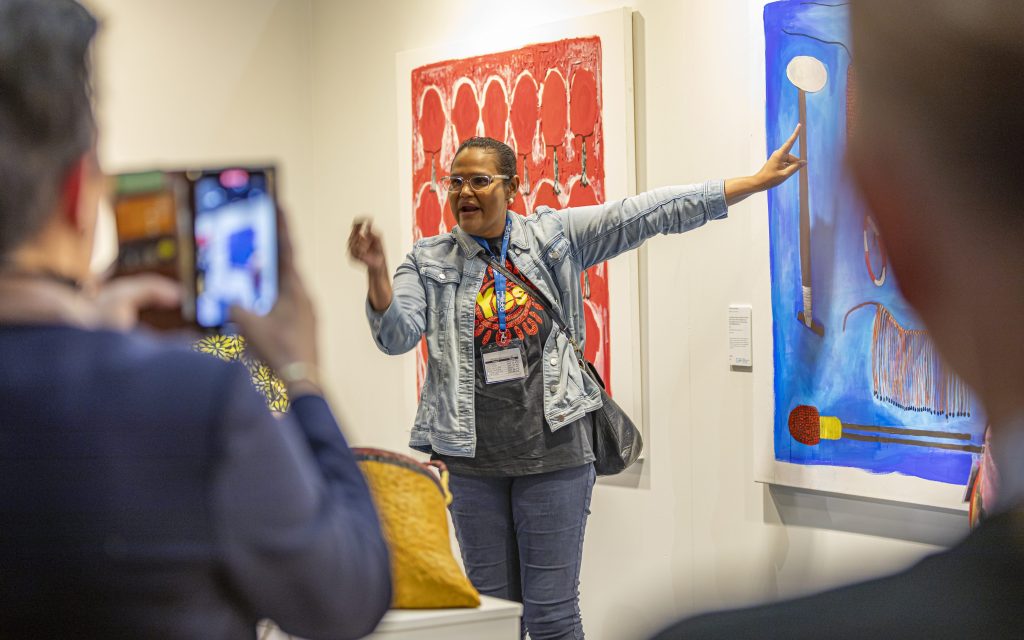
(436, 287)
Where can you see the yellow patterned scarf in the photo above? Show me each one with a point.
(232, 348)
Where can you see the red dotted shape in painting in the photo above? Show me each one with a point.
(495, 112)
(554, 116)
(465, 113)
(431, 125)
(546, 197)
(525, 113)
(554, 120)
(428, 214)
(432, 122)
(583, 103)
(583, 113)
(582, 196)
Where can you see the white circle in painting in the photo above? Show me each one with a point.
(807, 73)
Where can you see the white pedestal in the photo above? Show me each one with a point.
(494, 620)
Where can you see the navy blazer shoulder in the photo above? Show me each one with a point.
(132, 498)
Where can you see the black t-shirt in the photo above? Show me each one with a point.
(512, 436)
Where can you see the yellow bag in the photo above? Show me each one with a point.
(411, 498)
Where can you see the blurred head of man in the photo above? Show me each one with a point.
(937, 153)
(50, 182)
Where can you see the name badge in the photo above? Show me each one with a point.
(504, 363)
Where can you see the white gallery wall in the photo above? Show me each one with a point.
(195, 82)
(310, 84)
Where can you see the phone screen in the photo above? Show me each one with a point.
(236, 243)
(146, 219)
(150, 210)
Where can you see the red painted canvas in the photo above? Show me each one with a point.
(544, 101)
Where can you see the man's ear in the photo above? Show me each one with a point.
(71, 192)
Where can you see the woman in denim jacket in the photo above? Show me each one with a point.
(504, 403)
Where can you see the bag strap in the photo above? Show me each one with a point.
(503, 270)
(500, 268)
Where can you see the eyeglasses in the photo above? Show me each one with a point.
(476, 183)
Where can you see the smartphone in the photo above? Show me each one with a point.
(150, 213)
(234, 231)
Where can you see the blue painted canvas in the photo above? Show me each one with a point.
(857, 382)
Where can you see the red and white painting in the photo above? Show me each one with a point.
(543, 100)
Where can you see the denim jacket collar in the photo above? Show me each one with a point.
(519, 238)
(467, 243)
(519, 235)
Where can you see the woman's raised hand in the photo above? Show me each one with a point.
(781, 164)
(364, 245)
(780, 167)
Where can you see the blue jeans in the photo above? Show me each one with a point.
(522, 540)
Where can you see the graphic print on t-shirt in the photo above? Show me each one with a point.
(521, 310)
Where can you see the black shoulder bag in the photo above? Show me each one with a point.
(617, 442)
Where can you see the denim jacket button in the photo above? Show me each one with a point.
(518, 251)
(553, 361)
(553, 388)
(441, 276)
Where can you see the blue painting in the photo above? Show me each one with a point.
(857, 381)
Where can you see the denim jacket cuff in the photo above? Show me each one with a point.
(375, 317)
(714, 199)
(378, 319)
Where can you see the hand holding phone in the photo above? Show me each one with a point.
(121, 302)
(286, 338)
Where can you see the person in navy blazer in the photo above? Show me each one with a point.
(146, 491)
